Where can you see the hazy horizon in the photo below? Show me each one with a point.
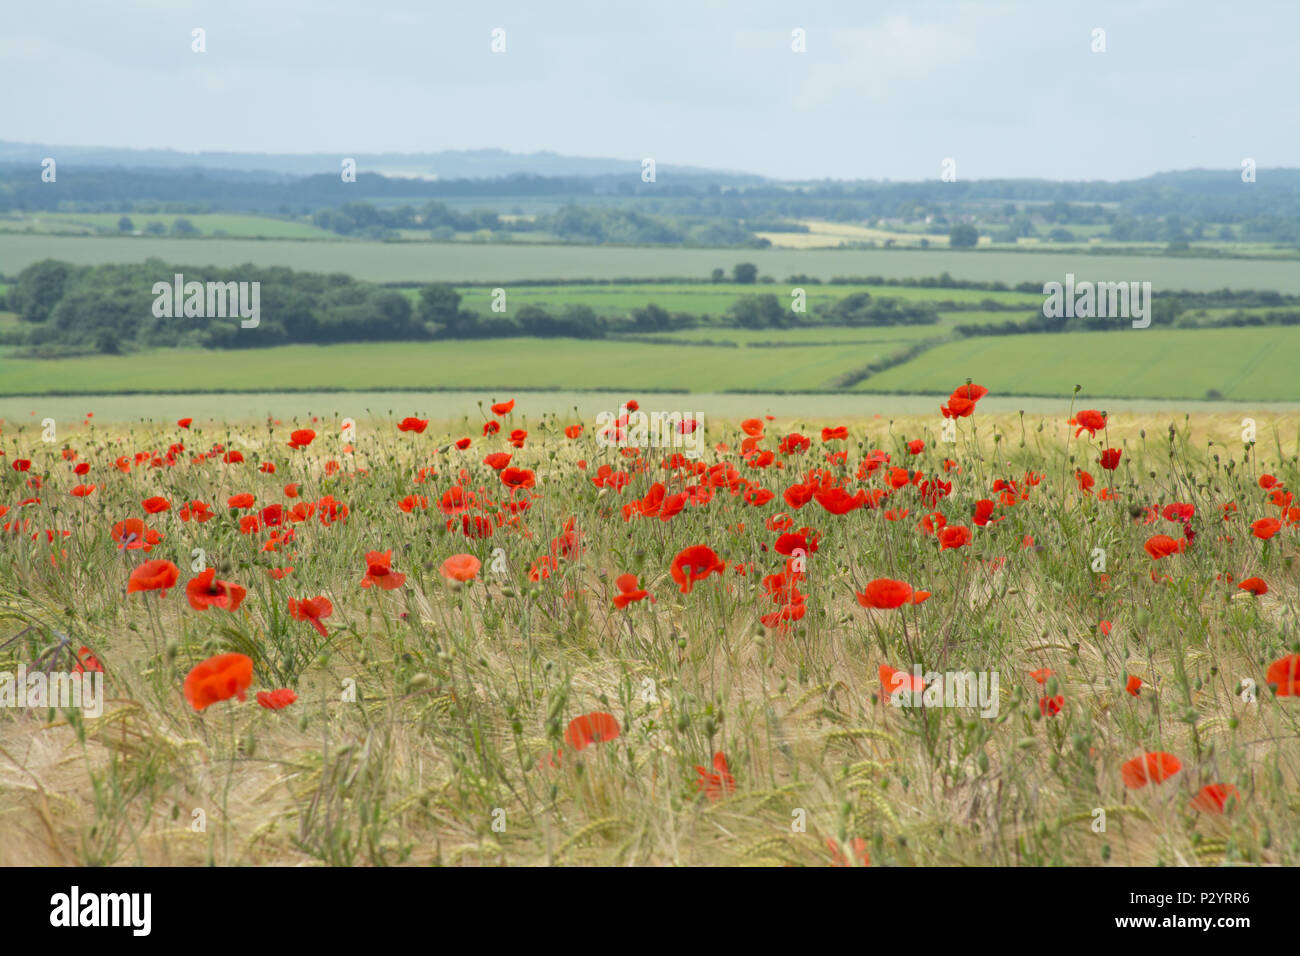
(1007, 89)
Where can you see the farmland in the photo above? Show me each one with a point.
(417, 263)
(401, 674)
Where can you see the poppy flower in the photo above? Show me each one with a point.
(153, 576)
(411, 424)
(517, 478)
(628, 591)
(503, 408)
(497, 460)
(884, 593)
(156, 504)
(460, 567)
(719, 782)
(1051, 706)
(1154, 767)
(1255, 586)
(82, 469)
(244, 500)
(22, 464)
(219, 678)
(379, 571)
(1041, 675)
(1134, 685)
(312, 610)
(301, 437)
(983, 511)
(594, 728)
(276, 699)
(1161, 546)
(206, 591)
(1089, 420)
(916, 446)
(572, 431)
(132, 535)
(694, 564)
(1214, 798)
(491, 428)
(82, 491)
(1265, 528)
(834, 434)
(1284, 676)
(858, 847)
(1110, 458)
(957, 408)
(892, 680)
(462, 443)
(87, 661)
(185, 422)
(954, 536)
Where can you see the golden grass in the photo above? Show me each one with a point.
(462, 691)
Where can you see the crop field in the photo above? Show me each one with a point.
(397, 640)
(412, 263)
(711, 299)
(1238, 363)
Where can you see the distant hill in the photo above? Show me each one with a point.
(449, 164)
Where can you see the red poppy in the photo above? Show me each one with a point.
(694, 564)
(411, 424)
(1051, 706)
(594, 728)
(1161, 546)
(244, 500)
(858, 847)
(185, 422)
(132, 535)
(916, 446)
(719, 782)
(460, 567)
(276, 699)
(379, 571)
(82, 491)
(312, 610)
(219, 678)
(1110, 458)
(503, 408)
(892, 680)
(1214, 798)
(1154, 767)
(497, 460)
(517, 478)
(206, 591)
(954, 536)
(572, 431)
(301, 438)
(1088, 420)
(628, 591)
(86, 661)
(884, 593)
(1284, 676)
(153, 576)
(156, 504)
(1265, 528)
(1255, 586)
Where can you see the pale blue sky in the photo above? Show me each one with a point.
(885, 89)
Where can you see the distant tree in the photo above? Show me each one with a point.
(439, 304)
(651, 319)
(718, 275)
(155, 228)
(39, 288)
(125, 224)
(759, 312)
(963, 236)
(183, 227)
(744, 273)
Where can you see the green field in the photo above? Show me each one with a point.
(714, 299)
(459, 262)
(1241, 364)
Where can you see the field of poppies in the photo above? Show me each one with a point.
(965, 638)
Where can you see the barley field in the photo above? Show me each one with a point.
(519, 637)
